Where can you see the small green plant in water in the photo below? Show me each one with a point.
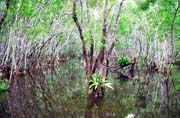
(123, 60)
(95, 81)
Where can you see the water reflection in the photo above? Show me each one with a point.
(61, 93)
(94, 107)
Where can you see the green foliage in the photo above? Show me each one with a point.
(144, 4)
(176, 76)
(3, 84)
(1, 40)
(36, 31)
(95, 81)
(101, 46)
(128, 44)
(160, 16)
(123, 27)
(177, 48)
(3, 96)
(118, 44)
(92, 3)
(178, 87)
(123, 60)
(86, 35)
(2, 5)
(177, 24)
(122, 43)
(61, 37)
(27, 8)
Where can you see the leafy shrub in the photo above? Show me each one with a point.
(123, 60)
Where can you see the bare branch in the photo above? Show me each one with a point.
(81, 4)
(81, 35)
(100, 56)
(104, 31)
(115, 28)
(91, 38)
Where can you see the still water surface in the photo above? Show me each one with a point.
(61, 93)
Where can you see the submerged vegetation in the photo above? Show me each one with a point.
(59, 56)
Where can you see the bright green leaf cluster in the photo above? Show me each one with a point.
(95, 81)
(3, 84)
(123, 60)
(178, 87)
(60, 37)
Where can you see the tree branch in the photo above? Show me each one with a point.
(91, 38)
(115, 28)
(100, 56)
(81, 36)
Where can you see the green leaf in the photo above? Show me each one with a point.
(118, 44)
(178, 87)
(61, 37)
(123, 60)
(3, 84)
(101, 46)
(109, 85)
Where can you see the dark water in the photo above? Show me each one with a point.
(61, 93)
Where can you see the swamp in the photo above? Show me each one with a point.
(89, 59)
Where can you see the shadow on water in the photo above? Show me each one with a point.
(61, 93)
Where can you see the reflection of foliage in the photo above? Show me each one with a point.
(122, 82)
(3, 84)
(2, 96)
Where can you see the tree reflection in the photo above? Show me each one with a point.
(52, 94)
(94, 105)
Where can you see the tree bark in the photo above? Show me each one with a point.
(91, 39)
(115, 29)
(82, 38)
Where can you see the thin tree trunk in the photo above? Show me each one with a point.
(172, 30)
(115, 28)
(82, 38)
